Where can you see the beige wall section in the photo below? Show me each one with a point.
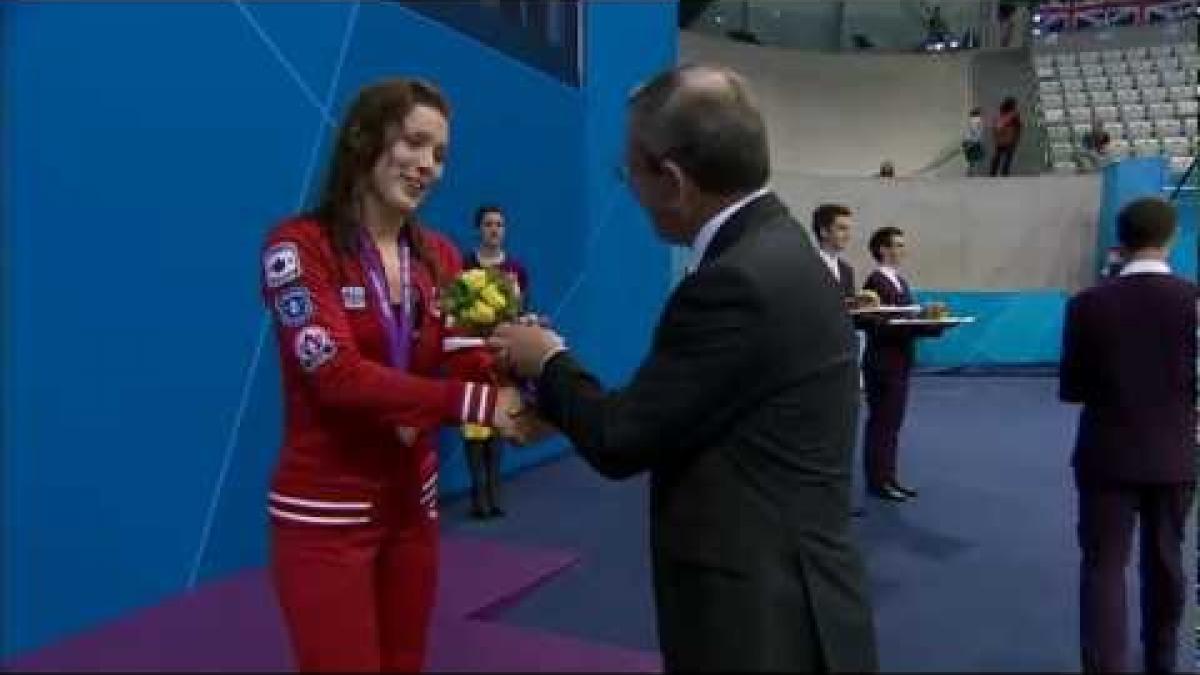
(969, 234)
(842, 114)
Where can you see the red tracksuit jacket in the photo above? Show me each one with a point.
(341, 461)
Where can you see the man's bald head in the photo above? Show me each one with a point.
(703, 118)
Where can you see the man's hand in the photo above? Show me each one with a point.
(524, 348)
(517, 422)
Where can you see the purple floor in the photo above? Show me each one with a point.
(234, 624)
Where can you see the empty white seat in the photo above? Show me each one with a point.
(1186, 47)
(1050, 86)
(1092, 70)
(1161, 50)
(1174, 78)
(1139, 128)
(1115, 68)
(1189, 61)
(1070, 71)
(1102, 98)
(1072, 84)
(1058, 132)
(1167, 63)
(1165, 128)
(1121, 81)
(1046, 72)
(1097, 83)
(1154, 94)
(1191, 126)
(1051, 100)
(1081, 113)
(1136, 53)
(1187, 108)
(1176, 146)
(1080, 131)
(1114, 130)
(1064, 166)
(1145, 80)
(1160, 110)
(1062, 152)
(1088, 57)
(1128, 96)
(1133, 111)
(1064, 59)
(1075, 99)
(1119, 147)
(1112, 55)
(1143, 66)
(1106, 113)
(1178, 165)
(1054, 115)
(1147, 147)
(1043, 61)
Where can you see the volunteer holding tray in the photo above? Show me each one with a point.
(889, 357)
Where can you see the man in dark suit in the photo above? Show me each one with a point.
(743, 412)
(1129, 356)
(832, 225)
(887, 365)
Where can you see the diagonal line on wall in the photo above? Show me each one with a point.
(588, 250)
(283, 60)
(264, 322)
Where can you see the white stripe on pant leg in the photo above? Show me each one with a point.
(318, 520)
(317, 504)
(481, 410)
(466, 402)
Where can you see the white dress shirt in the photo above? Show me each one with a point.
(705, 236)
(831, 261)
(1145, 267)
(893, 276)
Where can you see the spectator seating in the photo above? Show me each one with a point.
(1147, 98)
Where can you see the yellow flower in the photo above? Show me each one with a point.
(481, 313)
(474, 279)
(492, 296)
(475, 432)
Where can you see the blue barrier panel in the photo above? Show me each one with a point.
(1010, 328)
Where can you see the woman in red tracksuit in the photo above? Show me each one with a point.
(353, 287)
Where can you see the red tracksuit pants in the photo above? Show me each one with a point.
(356, 597)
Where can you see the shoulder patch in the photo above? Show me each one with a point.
(294, 306)
(281, 264)
(314, 347)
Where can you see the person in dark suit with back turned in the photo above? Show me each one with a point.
(887, 365)
(744, 411)
(1129, 356)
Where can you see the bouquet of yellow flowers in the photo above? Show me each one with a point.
(475, 303)
(479, 299)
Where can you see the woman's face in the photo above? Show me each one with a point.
(491, 229)
(412, 160)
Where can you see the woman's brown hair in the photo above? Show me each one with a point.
(375, 118)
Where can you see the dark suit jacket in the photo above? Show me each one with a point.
(1129, 356)
(745, 415)
(889, 348)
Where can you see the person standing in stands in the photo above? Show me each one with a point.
(1129, 355)
(972, 143)
(1006, 134)
(483, 448)
(887, 366)
(353, 288)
